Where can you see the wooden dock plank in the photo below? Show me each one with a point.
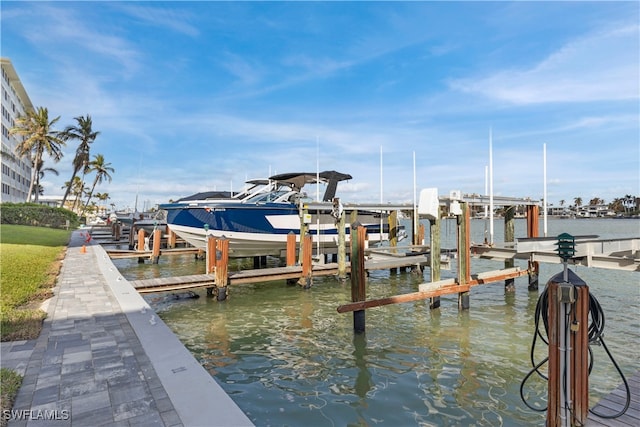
(614, 402)
(162, 284)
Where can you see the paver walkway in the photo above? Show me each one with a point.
(89, 367)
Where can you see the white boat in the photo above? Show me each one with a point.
(259, 224)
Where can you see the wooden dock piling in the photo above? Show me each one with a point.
(533, 231)
(358, 274)
(464, 255)
(222, 268)
(434, 258)
(342, 250)
(141, 234)
(171, 238)
(291, 249)
(210, 265)
(509, 237)
(157, 239)
(132, 237)
(307, 261)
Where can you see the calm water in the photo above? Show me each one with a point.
(288, 358)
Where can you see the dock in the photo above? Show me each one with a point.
(614, 403)
(618, 254)
(179, 283)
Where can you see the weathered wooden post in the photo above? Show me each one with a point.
(393, 229)
(392, 219)
(306, 278)
(171, 238)
(291, 249)
(434, 258)
(117, 230)
(464, 247)
(141, 235)
(141, 244)
(509, 236)
(222, 268)
(568, 316)
(342, 249)
(533, 231)
(291, 254)
(157, 239)
(132, 240)
(305, 220)
(210, 253)
(358, 274)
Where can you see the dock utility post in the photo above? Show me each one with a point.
(568, 402)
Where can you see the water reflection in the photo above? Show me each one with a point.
(287, 358)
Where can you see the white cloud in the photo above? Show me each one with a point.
(602, 66)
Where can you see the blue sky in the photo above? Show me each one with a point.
(194, 96)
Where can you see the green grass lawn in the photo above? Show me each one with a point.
(10, 383)
(29, 263)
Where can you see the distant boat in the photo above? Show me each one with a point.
(151, 221)
(259, 224)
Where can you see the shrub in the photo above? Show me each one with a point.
(37, 215)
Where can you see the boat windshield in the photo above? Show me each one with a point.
(271, 196)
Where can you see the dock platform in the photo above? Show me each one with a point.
(614, 402)
(168, 284)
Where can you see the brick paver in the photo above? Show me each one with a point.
(88, 367)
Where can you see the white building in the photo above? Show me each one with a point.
(16, 172)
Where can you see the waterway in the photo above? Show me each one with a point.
(287, 357)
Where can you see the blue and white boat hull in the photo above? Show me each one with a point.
(262, 229)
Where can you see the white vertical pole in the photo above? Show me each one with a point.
(381, 181)
(415, 198)
(544, 178)
(490, 186)
(318, 195)
(486, 208)
(381, 197)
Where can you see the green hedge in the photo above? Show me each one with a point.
(37, 215)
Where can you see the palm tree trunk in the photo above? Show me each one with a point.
(68, 190)
(32, 183)
(95, 181)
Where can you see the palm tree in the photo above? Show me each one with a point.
(102, 169)
(38, 138)
(577, 201)
(40, 189)
(85, 134)
(562, 202)
(103, 197)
